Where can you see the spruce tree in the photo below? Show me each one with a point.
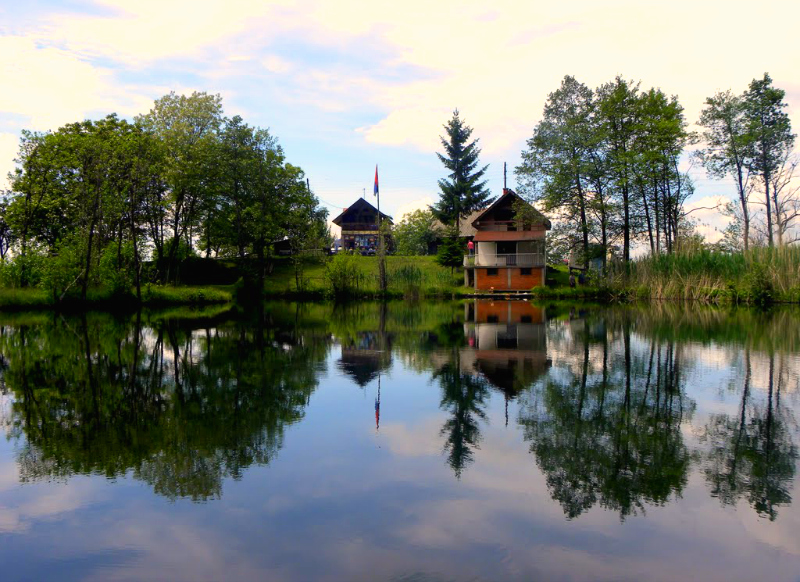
(463, 191)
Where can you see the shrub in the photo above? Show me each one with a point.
(343, 275)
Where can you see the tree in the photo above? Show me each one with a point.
(414, 234)
(770, 136)
(451, 252)
(463, 191)
(728, 149)
(188, 128)
(785, 194)
(556, 165)
(618, 118)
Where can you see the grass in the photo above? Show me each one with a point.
(761, 275)
(164, 295)
(36, 298)
(406, 276)
(28, 298)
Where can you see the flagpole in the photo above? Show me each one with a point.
(381, 246)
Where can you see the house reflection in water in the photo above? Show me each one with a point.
(366, 356)
(506, 342)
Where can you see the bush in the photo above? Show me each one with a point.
(343, 275)
(408, 279)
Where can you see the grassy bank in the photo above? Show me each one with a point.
(759, 276)
(152, 296)
(406, 277)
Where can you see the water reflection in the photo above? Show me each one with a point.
(604, 400)
(182, 407)
(752, 454)
(607, 428)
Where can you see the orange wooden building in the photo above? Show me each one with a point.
(509, 254)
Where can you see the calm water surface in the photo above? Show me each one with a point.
(406, 442)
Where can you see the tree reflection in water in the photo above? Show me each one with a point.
(180, 405)
(183, 402)
(752, 455)
(607, 429)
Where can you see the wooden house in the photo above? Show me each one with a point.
(509, 254)
(359, 224)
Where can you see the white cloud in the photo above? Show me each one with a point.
(8, 151)
(705, 211)
(411, 206)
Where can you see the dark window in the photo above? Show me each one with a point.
(525, 271)
(505, 247)
(526, 319)
(491, 272)
(491, 319)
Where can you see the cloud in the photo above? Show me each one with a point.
(706, 213)
(8, 150)
(412, 205)
(148, 30)
(51, 86)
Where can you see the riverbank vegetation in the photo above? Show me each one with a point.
(107, 208)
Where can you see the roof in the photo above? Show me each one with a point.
(509, 193)
(465, 227)
(497, 235)
(360, 203)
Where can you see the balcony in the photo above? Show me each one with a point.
(512, 260)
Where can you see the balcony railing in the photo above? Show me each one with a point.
(512, 260)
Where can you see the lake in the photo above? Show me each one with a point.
(430, 441)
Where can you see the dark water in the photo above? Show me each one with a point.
(406, 442)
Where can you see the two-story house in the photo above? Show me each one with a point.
(509, 253)
(359, 224)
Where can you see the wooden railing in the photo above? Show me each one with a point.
(511, 260)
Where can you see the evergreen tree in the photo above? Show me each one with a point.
(463, 191)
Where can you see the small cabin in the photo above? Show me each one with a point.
(509, 253)
(359, 223)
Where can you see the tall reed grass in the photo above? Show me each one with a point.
(760, 275)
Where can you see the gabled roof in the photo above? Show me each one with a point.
(507, 194)
(465, 228)
(359, 204)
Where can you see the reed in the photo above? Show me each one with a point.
(760, 275)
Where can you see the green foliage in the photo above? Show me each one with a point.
(92, 199)
(451, 252)
(464, 190)
(343, 275)
(408, 279)
(416, 232)
(760, 275)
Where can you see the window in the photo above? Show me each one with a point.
(491, 272)
(526, 319)
(525, 271)
(492, 319)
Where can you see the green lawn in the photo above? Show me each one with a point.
(434, 279)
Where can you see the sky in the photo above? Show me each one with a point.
(347, 85)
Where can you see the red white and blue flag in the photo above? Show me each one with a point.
(375, 191)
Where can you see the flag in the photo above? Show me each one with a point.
(375, 191)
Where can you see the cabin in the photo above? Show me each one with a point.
(359, 224)
(509, 254)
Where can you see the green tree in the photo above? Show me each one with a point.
(770, 136)
(188, 127)
(464, 190)
(416, 232)
(727, 148)
(451, 251)
(554, 168)
(617, 108)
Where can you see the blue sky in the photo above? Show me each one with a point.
(348, 84)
